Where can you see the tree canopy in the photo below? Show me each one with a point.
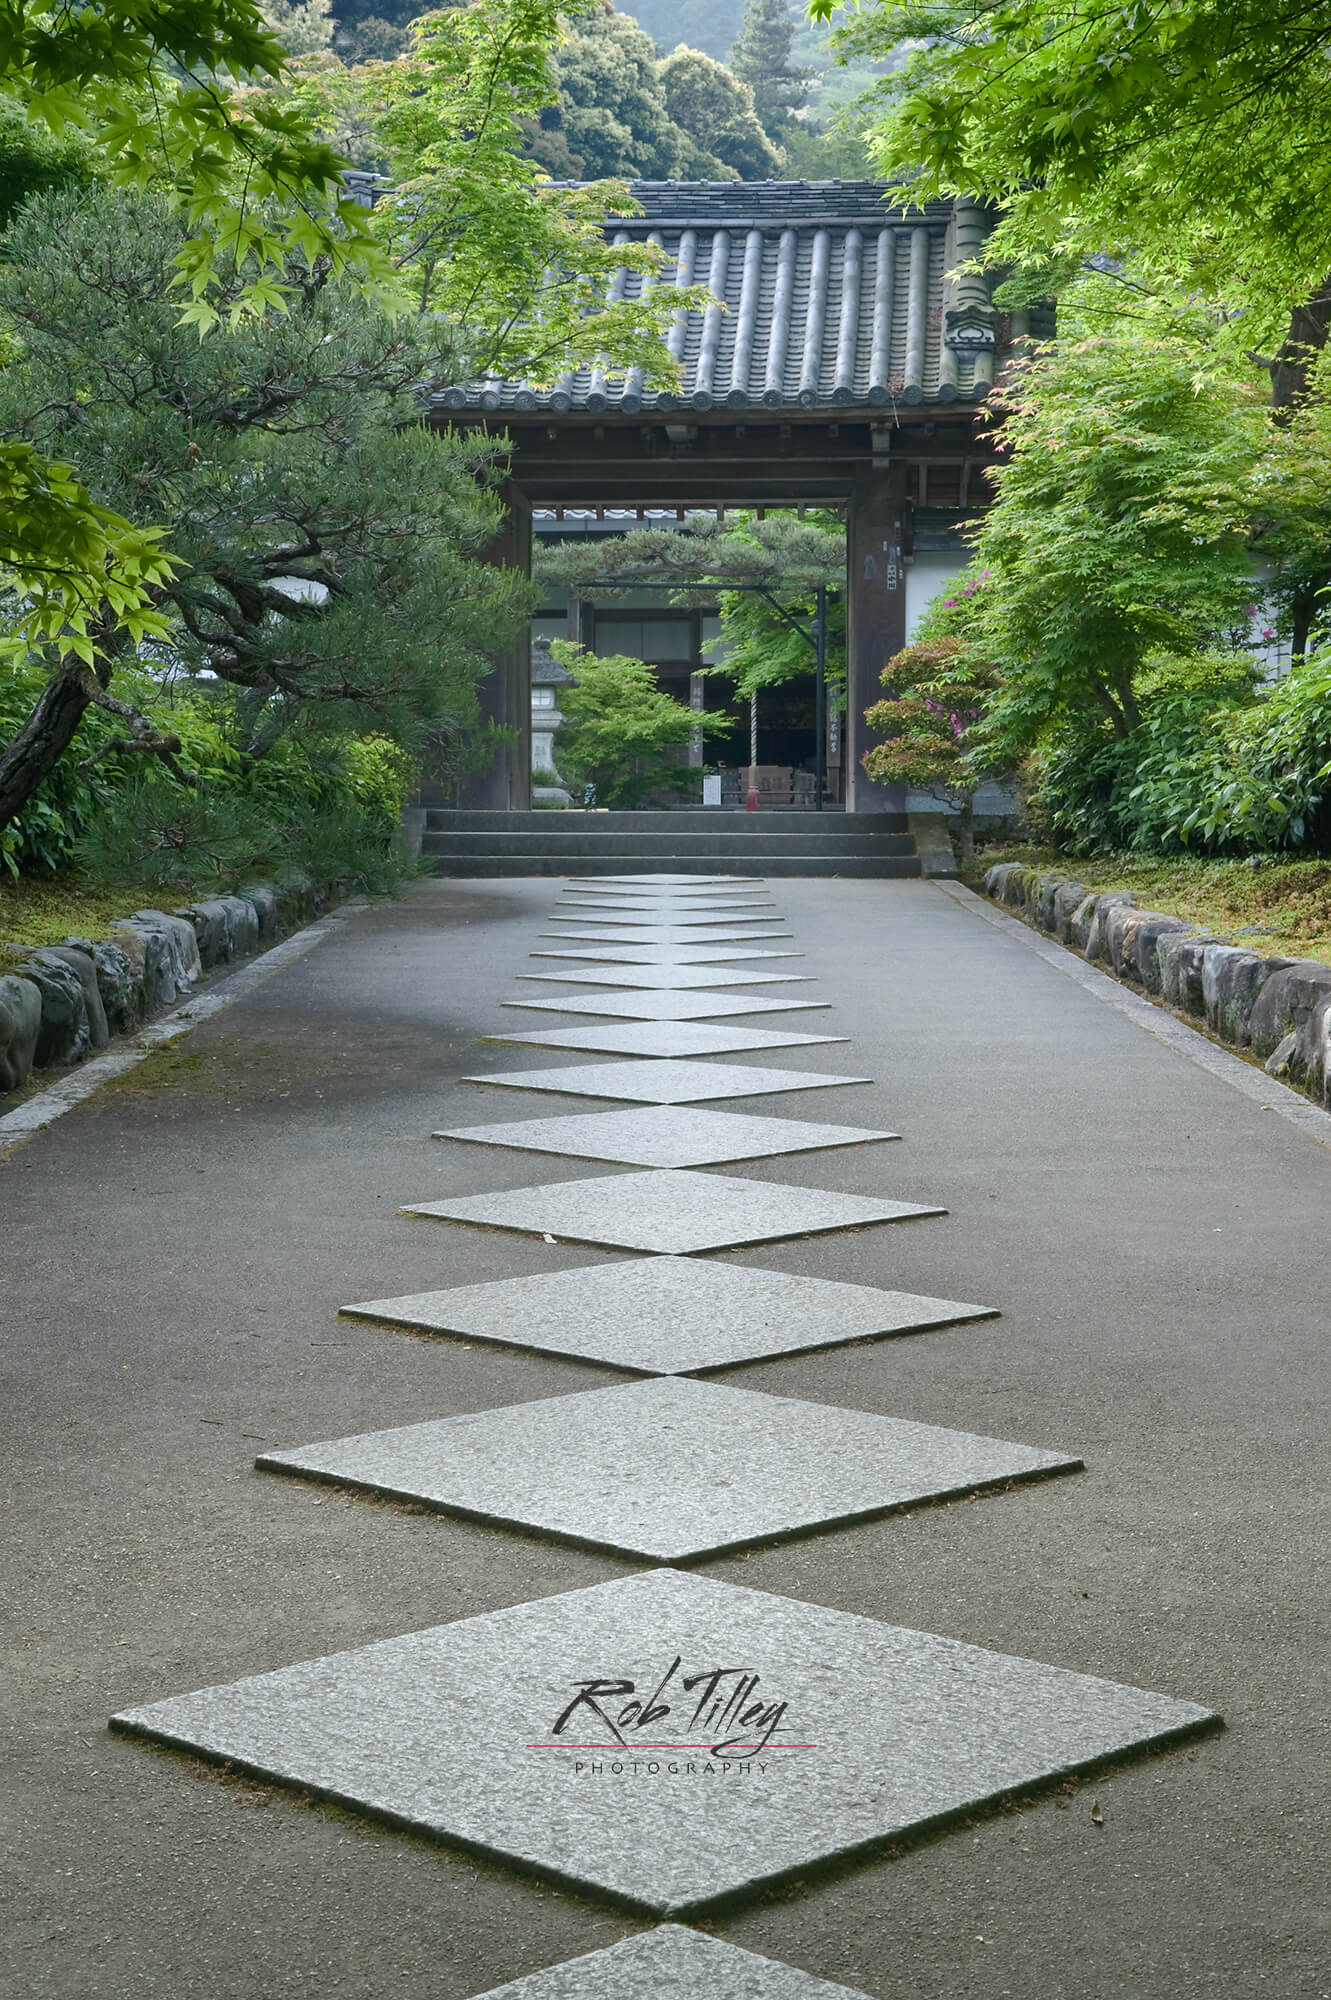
(761, 58)
(610, 115)
(1187, 136)
(702, 557)
(716, 109)
(520, 270)
(326, 541)
(1091, 559)
(147, 92)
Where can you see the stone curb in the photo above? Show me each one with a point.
(1277, 1010)
(65, 1002)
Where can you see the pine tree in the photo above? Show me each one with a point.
(761, 58)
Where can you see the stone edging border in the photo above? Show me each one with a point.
(47, 1105)
(1217, 983)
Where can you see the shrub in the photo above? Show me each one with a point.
(1214, 767)
(328, 803)
(619, 730)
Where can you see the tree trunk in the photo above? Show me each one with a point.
(1308, 602)
(1308, 329)
(29, 758)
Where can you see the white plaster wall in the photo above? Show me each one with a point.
(925, 578)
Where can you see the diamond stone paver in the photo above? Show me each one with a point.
(660, 899)
(434, 1729)
(716, 892)
(665, 976)
(674, 916)
(671, 1212)
(664, 954)
(685, 911)
(668, 1315)
(656, 1006)
(666, 934)
(669, 1468)
(668, 891)
(663, 1039)
(663, 1082)
(665, 1135)
(671, 1963)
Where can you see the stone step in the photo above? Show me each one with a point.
(672, 825)
(896, 867)
(672, 847)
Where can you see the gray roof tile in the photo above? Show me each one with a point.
(834, 298)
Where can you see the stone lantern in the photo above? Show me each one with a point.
(547, 676)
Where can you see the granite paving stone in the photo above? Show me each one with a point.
(681, 891)
(668, 1468)
(662, 1006)
(675, 916)
(716, 892)
(668, 1315)
(663, 1082)
(664, 885)
(678, 897)
(667, 934)
(673, 1212)
(447, 1730)
(666, 976)
(667, 909)
(663, 1039)
(671, 1963)
(665, 954)
(665, 1135)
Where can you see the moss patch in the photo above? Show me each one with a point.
(1276, 907)
(36, 912)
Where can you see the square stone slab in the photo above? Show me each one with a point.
(675, 916)
(664, 1082)
(756, 900)
(662, 1006)
(667, 934)
(664, 954)
(669, 1469)
(668, 1315)
(663, 1039)
(670, 1212)
(452, 1731)
(679, 897)
(666, 976)
(666, 1135)
(700, 881)
(671, 1963)
(734, 891)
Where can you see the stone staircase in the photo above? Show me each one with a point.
(631, 843)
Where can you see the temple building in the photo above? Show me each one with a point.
(846, 363)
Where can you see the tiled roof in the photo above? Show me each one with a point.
(834, 299)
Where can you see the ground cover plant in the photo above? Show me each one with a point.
(1273, 906)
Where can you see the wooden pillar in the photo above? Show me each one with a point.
(505, 692)
(875, 619)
